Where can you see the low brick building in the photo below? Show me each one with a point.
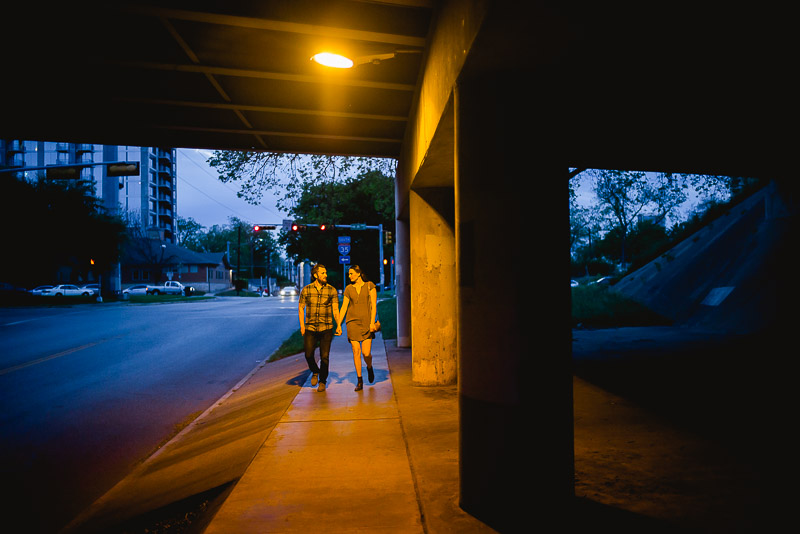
(150, 261)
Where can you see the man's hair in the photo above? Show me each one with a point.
(315, 269)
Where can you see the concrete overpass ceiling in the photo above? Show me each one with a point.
(234, 75)
(651, 86)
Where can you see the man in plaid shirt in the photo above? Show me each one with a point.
(319, 307)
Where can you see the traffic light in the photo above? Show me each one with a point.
(263, 227)
(388, 240)
(322, 227)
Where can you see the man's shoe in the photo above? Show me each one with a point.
(321, 386)
(314, 379)
(370, 375)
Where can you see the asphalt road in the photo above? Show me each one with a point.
(88, 391)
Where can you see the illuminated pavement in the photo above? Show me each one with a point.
(336, 460)
(380, 460)
(386, 459)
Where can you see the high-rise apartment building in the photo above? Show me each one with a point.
(148, 200)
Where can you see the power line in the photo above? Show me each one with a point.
(186, 154)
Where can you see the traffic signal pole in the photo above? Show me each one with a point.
(294, 226)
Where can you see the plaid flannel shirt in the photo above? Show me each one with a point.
(319, 306)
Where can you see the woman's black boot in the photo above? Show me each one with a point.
(370, 374)
(360, 384)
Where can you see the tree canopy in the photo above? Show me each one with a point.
(626, 222)
(258, 172)
(366, 199)
(49, 225)
(319, 189)
(250, 252)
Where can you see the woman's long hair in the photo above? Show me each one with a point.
(357, 269)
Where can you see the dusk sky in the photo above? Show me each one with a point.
(204, 198)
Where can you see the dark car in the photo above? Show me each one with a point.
(9, 292)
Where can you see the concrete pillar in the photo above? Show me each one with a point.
(433, 299)
(514, 337)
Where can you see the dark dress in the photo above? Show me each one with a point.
(358, 318)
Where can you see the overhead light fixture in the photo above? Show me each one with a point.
(333, 60)
(341, 62)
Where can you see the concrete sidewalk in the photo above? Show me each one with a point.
(342, 461)
(283, 457)
(278, 456)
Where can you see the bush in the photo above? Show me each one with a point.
(596, 306)
(387, 314)
(592, 267)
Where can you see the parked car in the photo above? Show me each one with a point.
(288, 291)
(140, 289)
(171, 287)
(66, 290)
(39, 290)
(93, 288)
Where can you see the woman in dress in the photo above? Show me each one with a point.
(360, 300)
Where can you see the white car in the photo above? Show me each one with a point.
(140, 289)
(288, 291)
(93, 289)
(66, 290)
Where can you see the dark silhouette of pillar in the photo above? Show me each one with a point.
(514, 334)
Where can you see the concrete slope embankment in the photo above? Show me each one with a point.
(729, 276)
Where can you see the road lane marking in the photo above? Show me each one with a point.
(8, 370)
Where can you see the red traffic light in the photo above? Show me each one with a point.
(260, 227)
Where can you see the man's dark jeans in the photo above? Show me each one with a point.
(310, 340)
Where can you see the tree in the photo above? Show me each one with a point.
(367, 199)
(50, 225)
(679, 198)
(266, 253)
(624, 195)
(190, 233)
(585, 225)
(258, 172)
(250, 252)
(216, 239)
